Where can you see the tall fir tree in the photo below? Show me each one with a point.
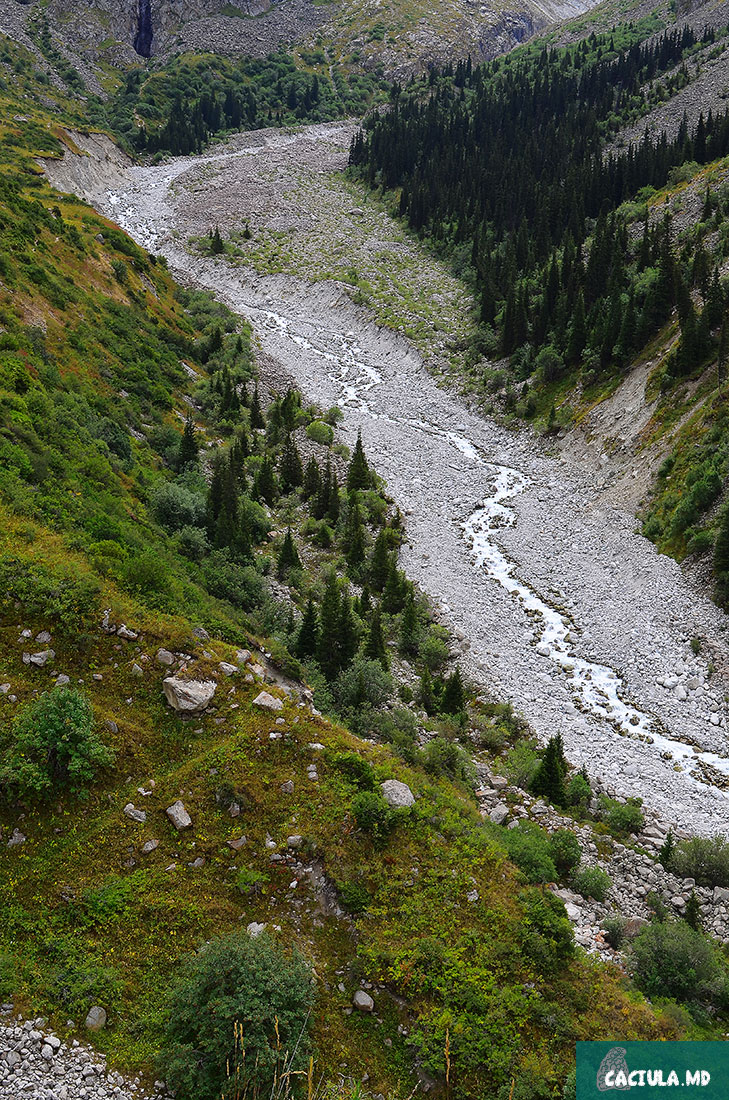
(291, 473)
(358, 474)
(374, 647)
(288, 555)
(189, 450)
(308, 637)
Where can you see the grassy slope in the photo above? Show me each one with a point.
(85, 917)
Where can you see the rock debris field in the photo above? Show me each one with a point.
(558, 604)
(36, 1065)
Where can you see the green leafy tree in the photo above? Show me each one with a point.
(670, 959)
(54, 746)
(237, 1005)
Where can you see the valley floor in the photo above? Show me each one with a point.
(559, 604)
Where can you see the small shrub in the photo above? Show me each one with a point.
(622, 817)
(565, 851)
(55, 747)
(669, 959)
(578, 792)
(705, 859)
(592, 882)
(354, 897)
(356, 769)
(372, 814)
(443, 757)
(614, 929)
(236, 982)
(529, 848)
(521, 764)
(364, 683)
(320, 432)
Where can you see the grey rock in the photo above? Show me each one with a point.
(227, 669)
(165, 657)
(499, 813)
(254, 929)
(150, 846)
(43, 638)
(294, 841)
(267, 701)
(125, 632)
(136, 815)
(178, 815)
(96, 1019)
(188, 696)
(363, 1002)
(287, 787)
(396, 794)
(17, 839)
(201, 633)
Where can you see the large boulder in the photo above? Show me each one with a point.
(397, 795)
(188, 696)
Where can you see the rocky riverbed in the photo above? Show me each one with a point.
(559, 604)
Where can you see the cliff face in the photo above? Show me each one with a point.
(403, 37)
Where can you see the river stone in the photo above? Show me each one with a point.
(363, 1002)
(188, 696)
(96, 1019)
(267, 702)
(178, 815)
(398, 795)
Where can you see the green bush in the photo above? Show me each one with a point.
(54, 746)
(443, 757)
(529, 848)
(521, 764)
(669, 959)
(578, 792)
(236, 982)
(354, 897)
(319, 432)
(356, 768)
(614, 929)
(592, 882)
(622, 817)
(372, 814)
(362, 684)
(705, 859)
(565, 850)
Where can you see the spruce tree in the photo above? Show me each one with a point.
(353, 542)
(327, 651)
(312, 479)
(333, 502)
(692, 912)
(454, 695)
(358, 474)
(189, 449)
(548, 779)
(265, 481)
(257, 420)
(408, 644)
(365, 604)
(374, 648)
(216, 243)
(665, 852)
(379, 562)
(346, 636)
(215, 494)
(308, 636)
(393, 597)
(288, 556)
(291, 472)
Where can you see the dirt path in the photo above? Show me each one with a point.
(561, 606)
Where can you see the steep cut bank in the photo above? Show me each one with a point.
(560, 604)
